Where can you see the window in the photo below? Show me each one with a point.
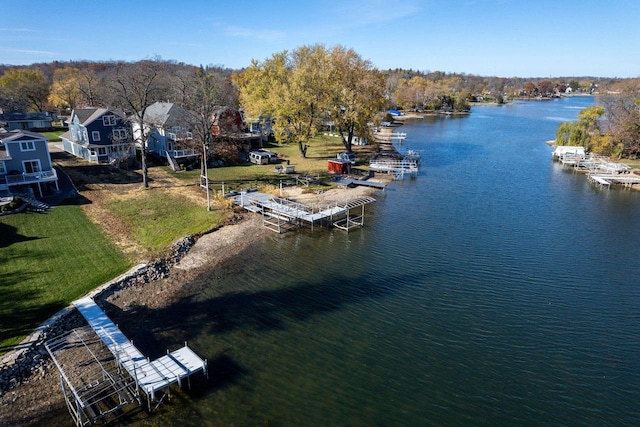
(2, 168)
(119, 134)
(31, 166)
(27, 146)
(102, 151)
(95, 135)
(109, 120)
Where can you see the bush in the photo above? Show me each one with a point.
(14, 205)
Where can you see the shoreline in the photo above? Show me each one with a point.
(28, 376)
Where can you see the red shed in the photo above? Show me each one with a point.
(342, 167)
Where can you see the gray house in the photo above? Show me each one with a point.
(27, 121)
(168, 132)
(99, 135)
(25, 163)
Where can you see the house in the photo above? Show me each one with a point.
(25, 163)
(168, 132)
(228, 125)
(27, 121)
(262, 126)
(99, 135)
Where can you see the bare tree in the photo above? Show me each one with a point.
(205, 90)
(88, 82)
(135, 86)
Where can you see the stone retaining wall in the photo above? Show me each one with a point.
(28, 358)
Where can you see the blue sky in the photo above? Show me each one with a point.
(507, 38)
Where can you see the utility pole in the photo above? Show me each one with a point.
(205, 147)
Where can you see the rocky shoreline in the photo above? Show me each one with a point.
(29, 378)
(29, 356)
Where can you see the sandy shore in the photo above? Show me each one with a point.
(38, 400)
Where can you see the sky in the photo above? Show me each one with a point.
(504, 38)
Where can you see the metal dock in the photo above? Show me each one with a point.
(150, 376)
(281, 215)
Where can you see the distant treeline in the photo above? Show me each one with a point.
(49, 86)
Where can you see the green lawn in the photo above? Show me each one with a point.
(321, 148)
(157, 218)
(46, 261)
(54, 136)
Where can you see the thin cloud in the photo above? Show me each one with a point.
(30, 52)
(247, 33)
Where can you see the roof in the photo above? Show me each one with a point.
(88, 115)
(21, 117)
(166, 114)
(18, 135)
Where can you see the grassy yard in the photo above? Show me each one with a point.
(46, 261)
(157, 217)
(54, 135)
(320, 149)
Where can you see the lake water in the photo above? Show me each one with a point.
(496, 288)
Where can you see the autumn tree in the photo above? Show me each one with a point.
(545, 87)
(134, 87)
(530, 89)
(356, 94)
(290, 88)
(29, 86)
(65, 89)
(584, 132)
(623, 118)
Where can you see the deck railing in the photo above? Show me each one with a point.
(30, 178)
(179, 136)
(181, 153)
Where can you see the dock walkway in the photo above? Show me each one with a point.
(278, 213)
(348, 182)
(150, 376)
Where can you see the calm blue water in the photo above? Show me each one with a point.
(494, 289)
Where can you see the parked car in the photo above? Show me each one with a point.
(263, 157)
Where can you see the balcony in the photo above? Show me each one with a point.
(181, 136)
(32, 178)
(176, 154)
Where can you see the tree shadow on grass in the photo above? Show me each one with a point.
(19, 318)
(21, 308)
(9, 235)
